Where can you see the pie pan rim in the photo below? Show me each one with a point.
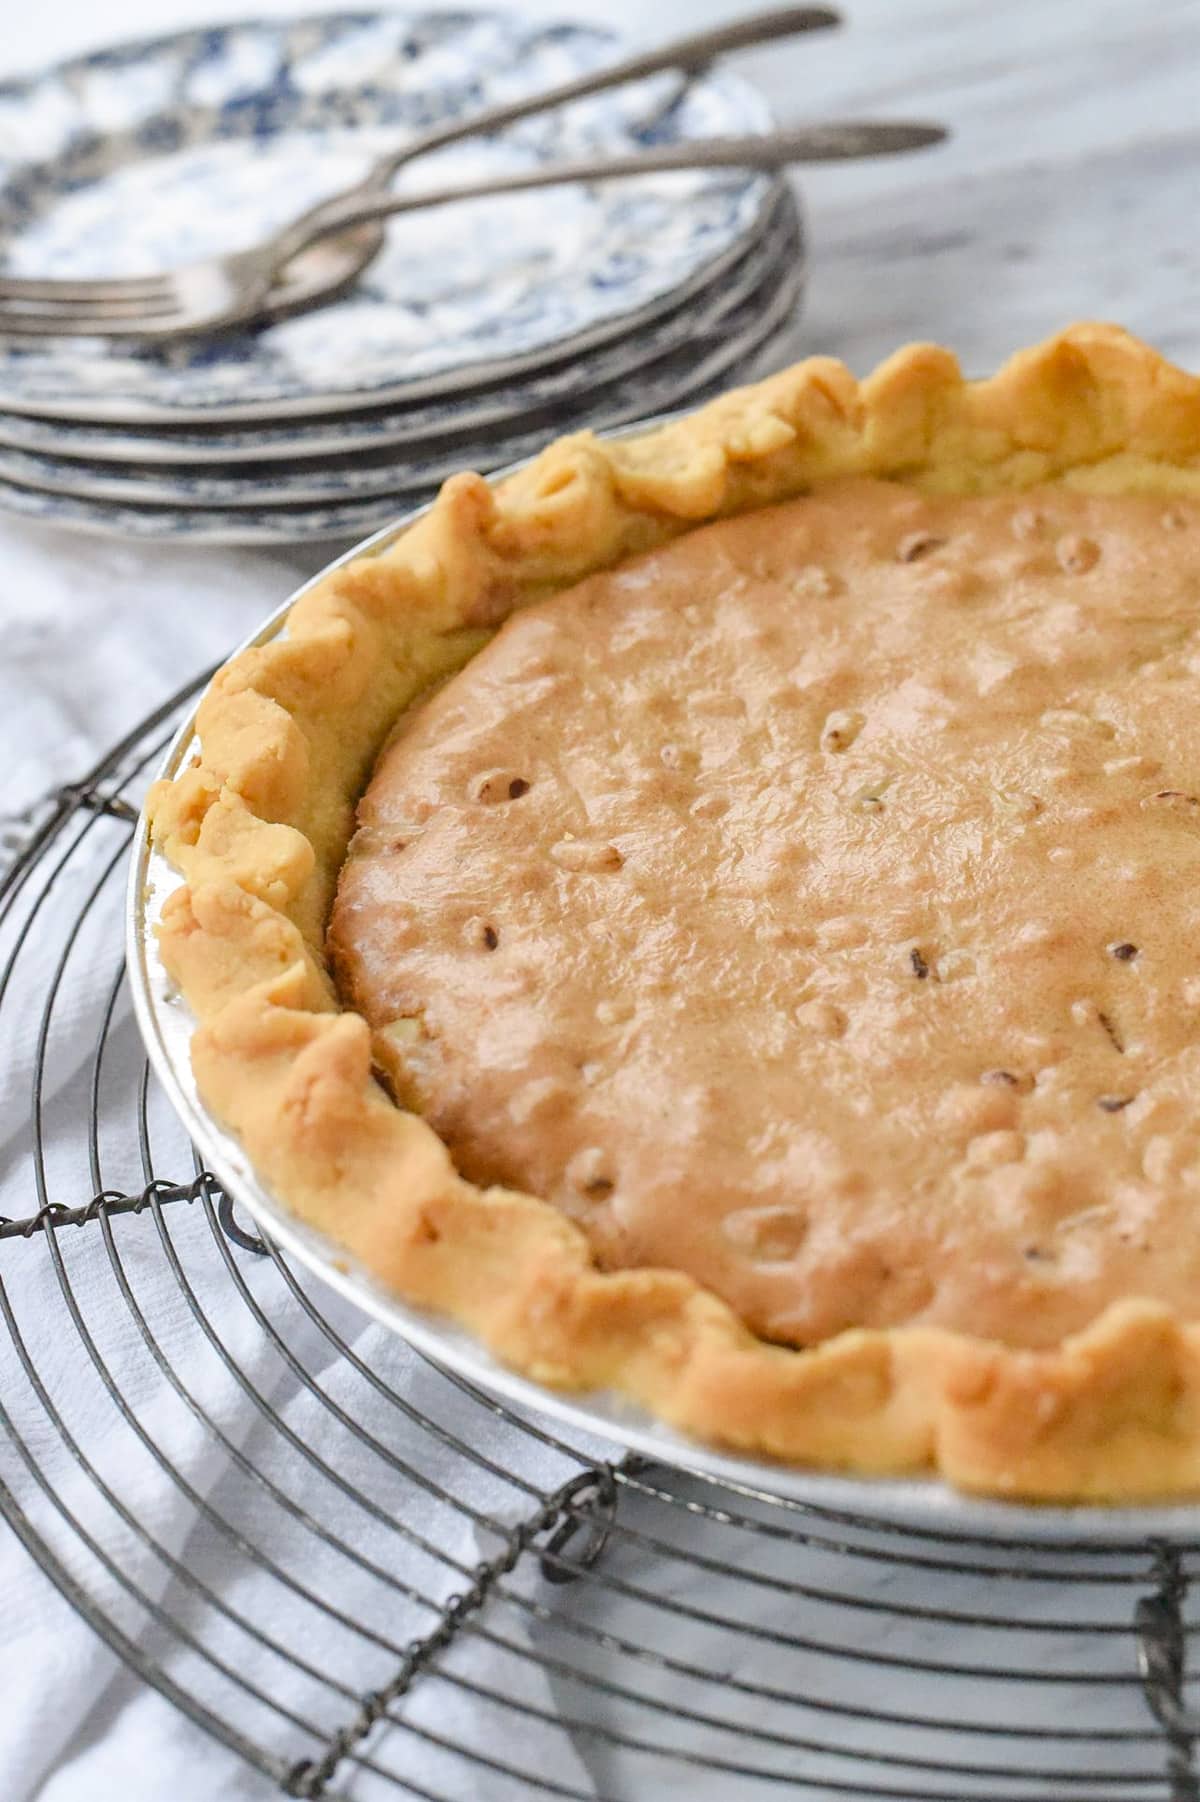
(1136, 375)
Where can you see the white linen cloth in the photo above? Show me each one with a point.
(99, 630)
(1081, 210)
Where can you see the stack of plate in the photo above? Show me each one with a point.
(482, 328)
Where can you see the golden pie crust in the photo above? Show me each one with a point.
(259, 826)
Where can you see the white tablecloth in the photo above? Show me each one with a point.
(1069, 191)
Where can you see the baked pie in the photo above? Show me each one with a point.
(718, 914)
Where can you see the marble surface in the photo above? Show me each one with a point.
(1069, 191)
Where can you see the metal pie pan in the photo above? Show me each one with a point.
(924, 1506)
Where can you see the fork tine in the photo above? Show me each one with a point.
(17, 322)
(133, 308)
(133, 287)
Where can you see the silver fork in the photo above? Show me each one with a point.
(768, 150)
(218, 292)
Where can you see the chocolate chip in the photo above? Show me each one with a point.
(480, 934)
(840, 730)
(1077, 554)
(494, 786)
(588, 1174)
(1112, 1104)
(917, 544)
(1009, 1079)
(920, 968)
(1124, 951)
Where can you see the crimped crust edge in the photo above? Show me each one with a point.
(258, 825)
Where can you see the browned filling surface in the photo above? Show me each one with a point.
(814, 906)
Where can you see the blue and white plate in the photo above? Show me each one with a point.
(739, 350)
(717, 344)
(501, 407)
(717, 333)
(131, 159)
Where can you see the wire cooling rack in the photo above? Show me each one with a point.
(369, 1579)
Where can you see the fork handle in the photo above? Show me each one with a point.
(686, 53)
(768, 150)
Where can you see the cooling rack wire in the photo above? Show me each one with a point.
(358, 1567)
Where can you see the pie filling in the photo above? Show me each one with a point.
(813, 906)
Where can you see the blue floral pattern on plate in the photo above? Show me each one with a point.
(150, 153)
(737, 350)
(715, 331)
(471, 409)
